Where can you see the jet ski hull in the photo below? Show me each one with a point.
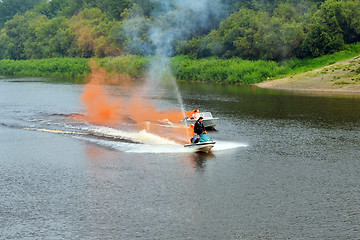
(201, 147)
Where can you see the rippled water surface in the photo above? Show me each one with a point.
(286, 166)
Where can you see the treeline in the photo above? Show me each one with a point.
(9, 8)
(294, 29)
(34, 36)
(258, 29)
(65, 8)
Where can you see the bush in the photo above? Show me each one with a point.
(237, 70)
(66, 67)
(357, 70)
(231, 71)
(130, 65)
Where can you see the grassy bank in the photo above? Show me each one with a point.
(130, 65)
(236, 70)
(54, 67)
(217, 70)
(230, 71)
(342, 77)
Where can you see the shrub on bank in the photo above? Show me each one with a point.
(236, 70)
(64, 67)
(228, 71)
(130, 65)
(217, 70)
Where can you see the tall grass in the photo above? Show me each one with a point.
(236, 70)
(233, 70)
(65, 67)
(230, 71)
(294, 66)
(130, 65)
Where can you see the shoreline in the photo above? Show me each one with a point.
(342, 77)
(339, 78)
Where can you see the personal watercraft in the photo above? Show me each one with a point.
(202, 144)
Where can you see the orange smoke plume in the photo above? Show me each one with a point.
(103, 108)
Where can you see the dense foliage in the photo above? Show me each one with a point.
(292, 30)
(130, 65)
(257, 29)
(237, 70)
(9, 8)
(213, 69)
(68, 67)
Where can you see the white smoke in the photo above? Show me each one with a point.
(170, 21)
(182, 19)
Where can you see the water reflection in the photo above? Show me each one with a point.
(198, 160)
(248, 102)
(94, 153)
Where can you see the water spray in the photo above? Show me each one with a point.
(177, 20)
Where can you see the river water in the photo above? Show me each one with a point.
(285, 166)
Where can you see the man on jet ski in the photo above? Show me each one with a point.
(198, 130)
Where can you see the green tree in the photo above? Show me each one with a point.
(68, 8)
(9, 8)
(332, 26)
(113, 8)
(92, 29)
(253, 34)
(50, 38)
(196, 47)
(349, 20)
(5, 42)
(55, 8)
(17, 31)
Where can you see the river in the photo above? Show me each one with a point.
(285, 166)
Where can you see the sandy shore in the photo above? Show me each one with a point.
(339, 78)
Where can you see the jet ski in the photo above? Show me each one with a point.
(202, 144)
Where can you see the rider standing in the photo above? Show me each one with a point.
(199, 129)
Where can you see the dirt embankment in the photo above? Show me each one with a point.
(342, 77)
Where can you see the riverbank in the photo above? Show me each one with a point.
(130, 65)
(51, 67)
(184, 68)
(342, 77)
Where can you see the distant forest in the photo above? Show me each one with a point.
(249, 29)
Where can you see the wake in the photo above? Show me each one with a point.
(128, 139)
(132, 141)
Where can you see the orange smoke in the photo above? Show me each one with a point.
(103, 108)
